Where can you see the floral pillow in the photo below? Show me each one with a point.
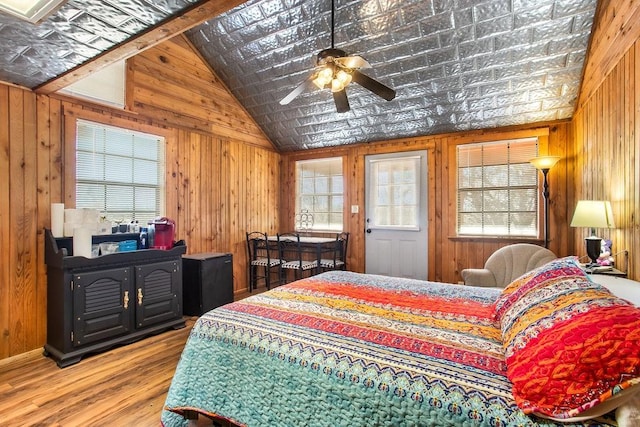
(572, 348)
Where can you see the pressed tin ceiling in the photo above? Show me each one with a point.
(455, 65)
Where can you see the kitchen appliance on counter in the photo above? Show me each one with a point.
(163, 231)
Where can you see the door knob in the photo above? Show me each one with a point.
(368, 230)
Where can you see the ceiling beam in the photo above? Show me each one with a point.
(167, 29)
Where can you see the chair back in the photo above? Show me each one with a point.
(511, 261)
(340, 251)
(289, 247)
(258, 246)
(343, 238)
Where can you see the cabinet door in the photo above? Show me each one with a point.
(158, 292)
(101, 305)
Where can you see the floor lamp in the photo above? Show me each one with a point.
(543, 164)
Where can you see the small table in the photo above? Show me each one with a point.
(606, 271)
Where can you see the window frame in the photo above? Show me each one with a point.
(298, 215)
(121, 137)
(73, 113)
(542, 134)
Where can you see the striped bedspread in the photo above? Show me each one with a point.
(349, 349)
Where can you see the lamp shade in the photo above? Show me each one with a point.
(544, 162)
(593, 214)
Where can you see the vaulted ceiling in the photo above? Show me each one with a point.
(455, 64)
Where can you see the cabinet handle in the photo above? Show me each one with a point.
(126, 299)
(139, 296)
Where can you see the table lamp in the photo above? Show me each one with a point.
(593, 214)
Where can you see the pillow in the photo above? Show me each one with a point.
(572, 348)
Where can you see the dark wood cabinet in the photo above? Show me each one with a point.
(96, 303)
(207, 282)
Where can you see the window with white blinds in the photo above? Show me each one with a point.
(498, 189)
(119, 171)
(319, 195)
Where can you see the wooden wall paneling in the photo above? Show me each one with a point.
(17, 292)
(224, 233)
(433, 209)
(173, 200)
(559, 188)
(182, 226)
(616, 28)
(175, 85)
(237, 219)
(353, 168)
(194, 192)
(5, 224)
(209, 206)
(45, 160)
(28, 224)
(606, 142)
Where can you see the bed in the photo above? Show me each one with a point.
(349, 349)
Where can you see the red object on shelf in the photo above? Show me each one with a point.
(164, 233)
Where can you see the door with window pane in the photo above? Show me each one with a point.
(396, 215)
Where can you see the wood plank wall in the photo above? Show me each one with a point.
(607, 129)
(222, 173)
(447, 255)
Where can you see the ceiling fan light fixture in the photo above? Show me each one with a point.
(344, 77)
(341, 79)
(336, 85)
(335, 70)
(324, 77)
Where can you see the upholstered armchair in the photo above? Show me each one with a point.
(506, 264)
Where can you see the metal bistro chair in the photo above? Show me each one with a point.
(291, 249)
(338, 261)
(263, 255)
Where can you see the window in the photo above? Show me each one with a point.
(395, 193)
(319, 196)
(120, 172)
(498, 189)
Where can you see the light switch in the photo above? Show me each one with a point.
(355, 209)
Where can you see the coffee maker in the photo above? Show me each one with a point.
(163, 231)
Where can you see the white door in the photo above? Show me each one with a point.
(396, 214)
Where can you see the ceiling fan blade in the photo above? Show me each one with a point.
(342, 103)
(298, 90)
(373, 85)
(354, 61)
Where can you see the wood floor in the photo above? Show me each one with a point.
(125, 386)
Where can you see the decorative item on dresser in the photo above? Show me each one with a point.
(96, 303)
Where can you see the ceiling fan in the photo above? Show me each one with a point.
(335, 70)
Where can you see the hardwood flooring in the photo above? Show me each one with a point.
(125, 386)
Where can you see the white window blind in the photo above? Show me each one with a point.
(319, 198)
(119, 171)
(498, 189)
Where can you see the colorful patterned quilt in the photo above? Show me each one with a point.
(349, 349)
